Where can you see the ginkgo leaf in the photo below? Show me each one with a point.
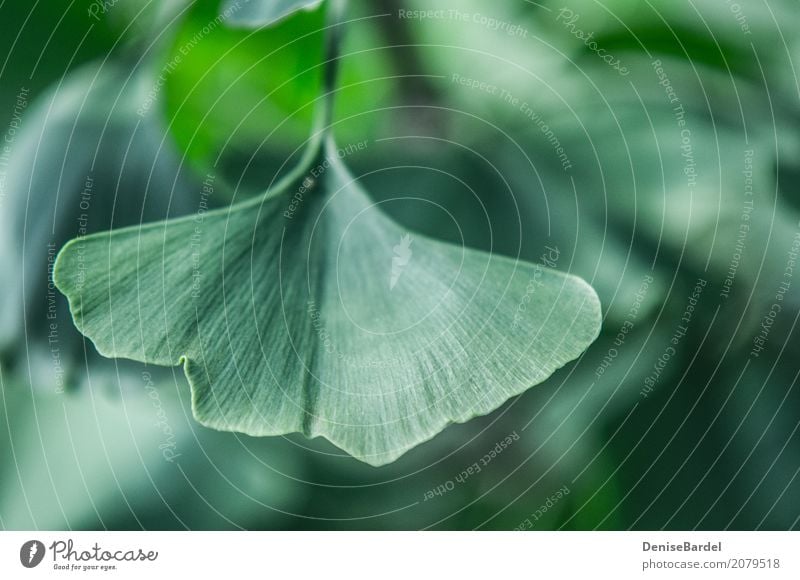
(260, 13)
(309, 310)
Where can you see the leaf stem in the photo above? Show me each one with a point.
(334, 33)
(403, 51)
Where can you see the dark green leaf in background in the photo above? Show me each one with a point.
(83, 162)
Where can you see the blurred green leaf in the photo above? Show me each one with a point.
(135, 460)
(261, 13)
(230, 91)
(83, 161)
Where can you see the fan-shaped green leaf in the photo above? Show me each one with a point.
(310, 310)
